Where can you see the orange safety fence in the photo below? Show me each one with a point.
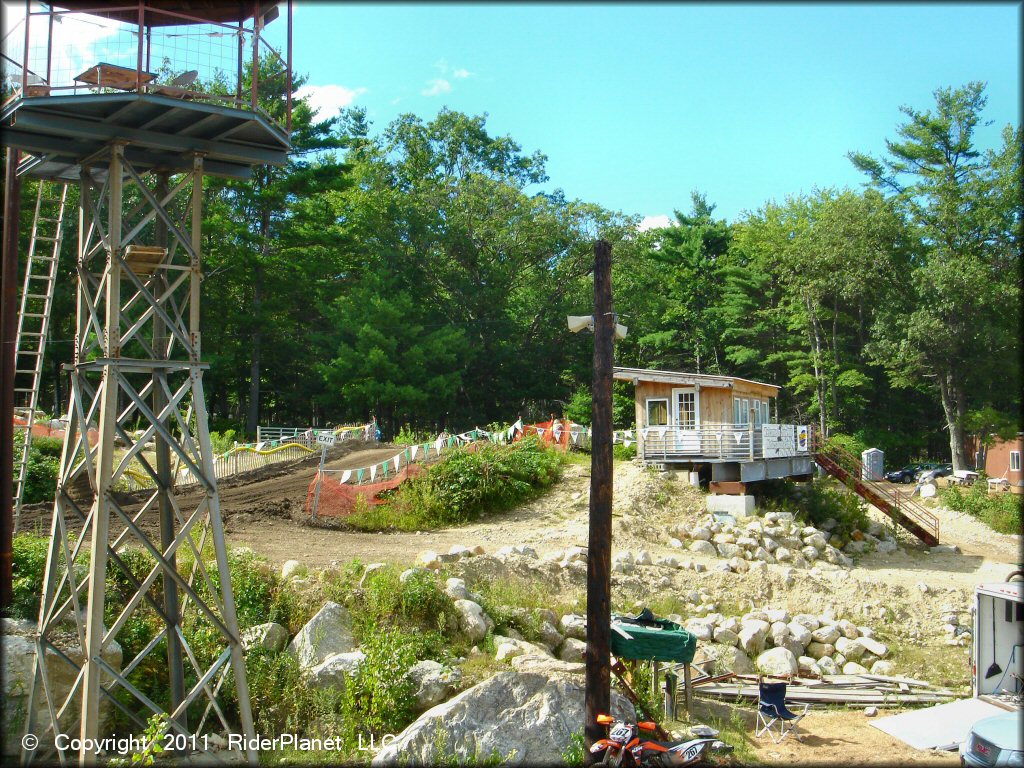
(556, 433)
(44, 430)
(341, 499)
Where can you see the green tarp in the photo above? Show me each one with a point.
(657, 639)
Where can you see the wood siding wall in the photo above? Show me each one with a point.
(715, 403)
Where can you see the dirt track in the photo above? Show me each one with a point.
(274, 492)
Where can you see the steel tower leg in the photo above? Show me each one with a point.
(137, 374)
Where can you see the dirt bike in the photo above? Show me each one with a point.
(624, 747)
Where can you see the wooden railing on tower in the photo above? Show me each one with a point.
(900, 507)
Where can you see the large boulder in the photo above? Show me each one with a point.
(472, 620)
(799, 633)
(752, 635)
(327, 633)
(573, 650)
(17, 649)
(702, 547)
(519, 718)
(778, 661)
(873, 646)
(729, 659)
(826, 634)
(333, 671)
(574, 625)
(851, 649)
(456, 589)
(434, 682)
(270, 636)
(508, 647)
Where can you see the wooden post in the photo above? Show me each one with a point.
(8, 340)
(599, 548)
(688, 691)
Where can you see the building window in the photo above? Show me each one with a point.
(1015, 461)
(657, 412)
(741, 411)
(686, 403)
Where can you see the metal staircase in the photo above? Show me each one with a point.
(34, 315)
(900, 507)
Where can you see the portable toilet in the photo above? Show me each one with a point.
(998, 639)
(873, 462)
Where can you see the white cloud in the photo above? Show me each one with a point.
(436, 87)
(461, 73)
(654, 222)
(328, 100)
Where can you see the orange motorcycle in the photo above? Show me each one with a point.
(624, 747)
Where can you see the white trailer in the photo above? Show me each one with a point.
(999, 642)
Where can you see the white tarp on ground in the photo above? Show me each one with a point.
(943, 726)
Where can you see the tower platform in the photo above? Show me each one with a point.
(162, 133)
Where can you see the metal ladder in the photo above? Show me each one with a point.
(34, 316)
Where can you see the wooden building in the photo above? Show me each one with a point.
(724, 427)
(1001, 461)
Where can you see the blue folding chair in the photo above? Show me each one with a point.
(773, 717)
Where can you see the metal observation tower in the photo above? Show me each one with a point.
(133, 104)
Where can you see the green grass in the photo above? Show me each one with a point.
(1001, 511)
(464, 485)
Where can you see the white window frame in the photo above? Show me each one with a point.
(741, 411)
(676, 412)
(647, 411)
(1015, 460)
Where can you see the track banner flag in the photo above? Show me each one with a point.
(437, 445)
(414, 450)
(373, 472)
(397, 459)
(345, 476)
(359, 475)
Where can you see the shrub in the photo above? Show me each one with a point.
(465, 484)
(818, 501)
(43, 468)
(850, 443)
(407, 436)
(1001, 512)
(379, 696)
(623, 452)
(222, 442)
(282, 703)
(28, 566)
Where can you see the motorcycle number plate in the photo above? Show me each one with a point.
(619, 733)
(692, 752)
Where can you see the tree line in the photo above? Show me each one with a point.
(420, 274)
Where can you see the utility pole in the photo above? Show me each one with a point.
(8, 340)
(599, 548)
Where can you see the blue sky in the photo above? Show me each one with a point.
(637, 105)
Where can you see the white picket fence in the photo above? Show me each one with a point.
(249, 457)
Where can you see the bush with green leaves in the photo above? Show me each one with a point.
(816, 502)
(622, 452)
(464, 484)
(42, 470)
(1000, 511)
(28, 564)
(222, 442)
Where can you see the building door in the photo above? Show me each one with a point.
(686, 420)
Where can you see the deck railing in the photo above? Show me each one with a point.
(725, 442)
(46, 51)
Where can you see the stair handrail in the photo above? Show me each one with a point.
(903, 504)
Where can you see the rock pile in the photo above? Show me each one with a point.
(777, 538)
(774, 642)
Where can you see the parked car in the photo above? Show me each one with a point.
(939, 470)
(994, 741)
(906, 474)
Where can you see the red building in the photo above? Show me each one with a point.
(1001, 460)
